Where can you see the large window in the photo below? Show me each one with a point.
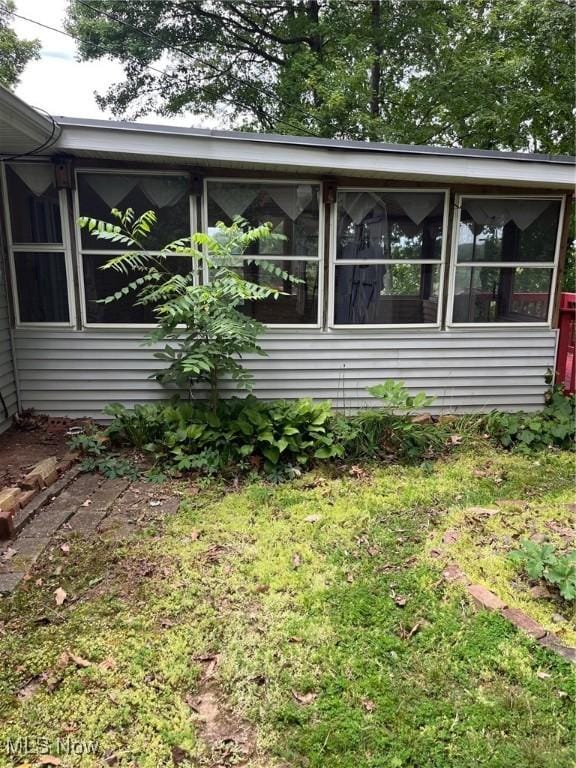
(39, 252)
(294, 212)
(505, 259)
(388, 257)
(98, 192)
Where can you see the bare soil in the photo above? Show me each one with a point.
(21, 449)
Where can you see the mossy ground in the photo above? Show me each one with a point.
(322, 586)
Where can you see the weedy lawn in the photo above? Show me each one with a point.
(299, 625)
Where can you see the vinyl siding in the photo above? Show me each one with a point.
(7, 379)
(75, 373)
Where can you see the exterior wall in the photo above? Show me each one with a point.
(7, 377)
(75, 373)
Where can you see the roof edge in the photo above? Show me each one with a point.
(313, 141)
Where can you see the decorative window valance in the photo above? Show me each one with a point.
(497, 213)
(38, 178)
(161, 191)
(416, 205)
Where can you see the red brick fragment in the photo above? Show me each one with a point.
(6, 524)
(25, 497)
(524, 622)
(484, 598)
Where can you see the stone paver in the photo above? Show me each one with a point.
(85, 506)
(85, 521)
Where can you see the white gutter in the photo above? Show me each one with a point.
(23, 120)
(141, 144)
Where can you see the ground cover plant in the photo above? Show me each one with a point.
(311, 612)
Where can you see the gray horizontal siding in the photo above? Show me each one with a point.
(76, 373)
(7, 380)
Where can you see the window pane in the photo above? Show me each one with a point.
(389, 225)
(42, 287)
(168, 196)
(292, 209)
(508, 230)
(504, 295)
(101, 283)
(299, 306)
(33, 202)
(381, 294)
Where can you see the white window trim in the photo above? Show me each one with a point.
(65, 247)
(109, 253)
(250, 180)
(553, 266)
(334, 262)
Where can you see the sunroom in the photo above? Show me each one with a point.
(438, 267)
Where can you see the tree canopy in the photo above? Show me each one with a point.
(482, 73)
(15, 53)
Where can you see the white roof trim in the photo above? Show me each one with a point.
(205, 149)
(22, 121)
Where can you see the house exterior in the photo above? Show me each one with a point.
(437, 266)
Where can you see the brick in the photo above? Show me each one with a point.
(551, 642)
(42, 475)
(484, 598)
(25, 497)
(6, 524)
(524, 622)
(9, 499)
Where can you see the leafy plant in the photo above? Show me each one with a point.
(98, 458)
(396, 397)
(541, 561)
(202, 327)
(389, 430)
(554, 426)
(238, 433)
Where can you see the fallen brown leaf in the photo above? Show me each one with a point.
(400, 600)
(194, 535)
(296, 561)
(368, 705)
(107, 664)
(304, 698)
(312, 518)
(60, 595)
(79, 661)
(65, 548)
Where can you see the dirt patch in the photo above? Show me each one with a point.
(21, 449)
(230, 740)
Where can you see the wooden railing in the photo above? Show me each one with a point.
(565, 363)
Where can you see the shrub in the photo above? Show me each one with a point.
(553, 427)
(541, 561)
(238, 433)
(202, 326)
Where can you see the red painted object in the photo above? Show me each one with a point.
(565, 363)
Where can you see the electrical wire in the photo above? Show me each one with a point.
(55, 132)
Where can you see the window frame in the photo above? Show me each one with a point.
(334, 261)
(552, 266)
(65, 248)
(321, 235)
(80, 251)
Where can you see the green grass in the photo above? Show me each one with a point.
(294, 606)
